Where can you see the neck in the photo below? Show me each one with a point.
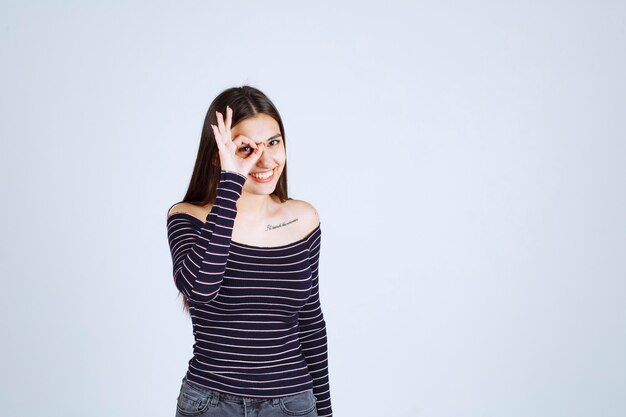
(254, 205)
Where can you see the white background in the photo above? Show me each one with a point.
(467, 160)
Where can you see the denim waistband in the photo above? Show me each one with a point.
(216, 395)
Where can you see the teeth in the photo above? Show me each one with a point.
(263, 175)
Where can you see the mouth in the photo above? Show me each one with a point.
(263, 176)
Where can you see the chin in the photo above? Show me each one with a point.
(260, 189)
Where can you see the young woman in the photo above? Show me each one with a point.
(246, 260)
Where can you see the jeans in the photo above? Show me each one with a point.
(197, 401)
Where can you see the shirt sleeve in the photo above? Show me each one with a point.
(312, 334)
(199, 255)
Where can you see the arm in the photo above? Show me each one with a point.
(199, 256)
(312, 334)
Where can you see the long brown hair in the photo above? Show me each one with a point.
(245, 101)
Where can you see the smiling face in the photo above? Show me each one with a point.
(264, 176)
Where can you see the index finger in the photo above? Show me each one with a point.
(241, 139)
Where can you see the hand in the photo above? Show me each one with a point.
(229, 160)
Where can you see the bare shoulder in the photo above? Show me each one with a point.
(305, 212)
(197, 211)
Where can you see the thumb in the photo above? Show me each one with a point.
(253, 157)
(256, 154)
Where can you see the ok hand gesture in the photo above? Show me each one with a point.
(229, 160)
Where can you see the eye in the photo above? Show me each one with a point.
(245, 149)
(274, 142)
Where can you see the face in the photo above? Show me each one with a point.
(264, 176)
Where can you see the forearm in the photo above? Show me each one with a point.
(199, 257)
(315, 350)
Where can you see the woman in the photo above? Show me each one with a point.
(245, 259)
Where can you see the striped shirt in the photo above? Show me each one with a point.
(257, 321)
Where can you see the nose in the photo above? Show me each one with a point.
(265, 159)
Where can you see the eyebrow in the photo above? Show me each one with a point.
(273, 137)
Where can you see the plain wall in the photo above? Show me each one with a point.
(467, 160)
